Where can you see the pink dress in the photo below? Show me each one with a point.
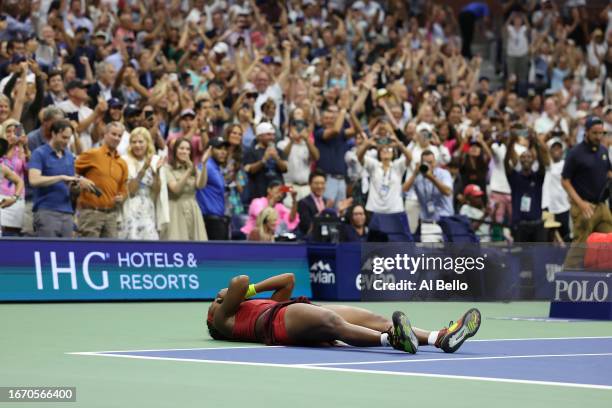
(19, 165)
(258, 205)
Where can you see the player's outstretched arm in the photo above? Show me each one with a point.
(282, 285)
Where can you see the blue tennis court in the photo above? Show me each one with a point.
(571, 362)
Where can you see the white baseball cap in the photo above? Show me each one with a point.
(424, 126)
(221, 48)
(264, 128)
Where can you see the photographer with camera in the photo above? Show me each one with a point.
(424, 140)
(300, 151)
(385, 171)
(433, 187)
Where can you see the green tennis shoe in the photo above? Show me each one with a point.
(451, 338)
(401, 335)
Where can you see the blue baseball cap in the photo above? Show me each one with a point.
(592, 121)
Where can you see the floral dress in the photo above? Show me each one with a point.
(139, 216)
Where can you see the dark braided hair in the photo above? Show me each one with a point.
(214, 333)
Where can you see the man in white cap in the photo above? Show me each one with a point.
(264, 162)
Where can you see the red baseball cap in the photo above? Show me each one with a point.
(473, 190)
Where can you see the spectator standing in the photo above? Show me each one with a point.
(184, 178)
(7, 174)
(300, 152)
(75, 108)
(585, 176)
(211, 198)
(16, 159)
(141, 217)
(99, 212)
(433, 186)
(264, 163)
(52, 178)
(385, 173)
(554, 197)
(517, 49)
(313, 204)
(330, 139)
(526, 185)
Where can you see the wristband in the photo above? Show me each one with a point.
(251, 291)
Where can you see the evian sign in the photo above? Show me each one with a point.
(321, 273)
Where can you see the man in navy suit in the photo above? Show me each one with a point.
(313, 204)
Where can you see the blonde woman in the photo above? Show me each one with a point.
(5, 108)
(265, 226)
(144, 187)
(16, 160)
(184, 178)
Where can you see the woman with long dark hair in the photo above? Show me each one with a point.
(184, 178)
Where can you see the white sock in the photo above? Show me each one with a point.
(433, 336)
(384, 340)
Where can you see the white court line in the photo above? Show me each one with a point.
(546, 338)
(352, 370)
(259, 346)
(178, 349)
(458, 359)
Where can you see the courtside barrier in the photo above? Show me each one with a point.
(50, 270)
(83, 270)
(518, 272)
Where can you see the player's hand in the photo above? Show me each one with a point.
(221, 294)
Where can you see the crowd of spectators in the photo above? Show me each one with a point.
(302, 119)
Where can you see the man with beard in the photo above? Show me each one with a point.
(586, 179)
(211, 198)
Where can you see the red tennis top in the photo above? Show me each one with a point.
(246, 317)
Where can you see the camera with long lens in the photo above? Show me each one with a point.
(424, 168)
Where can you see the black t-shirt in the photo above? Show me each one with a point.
(258, 182)
(331, 152)
(526, 196)
(586, 167)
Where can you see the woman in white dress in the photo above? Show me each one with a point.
(141, 211)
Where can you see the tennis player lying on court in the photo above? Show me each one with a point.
(281, 321)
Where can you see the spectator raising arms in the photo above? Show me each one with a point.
(299, 87)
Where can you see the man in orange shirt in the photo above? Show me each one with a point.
(98, 212)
